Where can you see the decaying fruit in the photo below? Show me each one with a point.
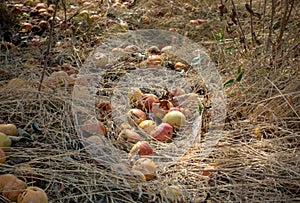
(6, 178)
(146, 166)
(174, 118)
(13, 188)
(145, 102)
(4, 140)
(136, 116)
(134, 94)
(93, 126)
(96, 139)
(2, 156)
(129, 136)
(33, 195)
(138, 175)
(163, 132)
(143, 148)
(153, 60)
(148, 126)
(9, 129)
(172, 193)
(121, 168)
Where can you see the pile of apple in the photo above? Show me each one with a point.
(11, 187)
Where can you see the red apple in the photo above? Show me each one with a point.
(163, 132)
(143, 148)
(93, 126)
(136, 116)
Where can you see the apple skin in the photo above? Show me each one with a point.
(146, 166)
(129, 136)
(136, 116)
(94, 126)
(148, 126)
(143, 148)
(145, 102)
(174, 118)
(163, 132)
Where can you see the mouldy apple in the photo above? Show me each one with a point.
(33, 195)
(146, 166)
(143, 148)
(163, 133)
(13, 188)
(9, 129)
(174, 118)
(129, 136)
(136, 116)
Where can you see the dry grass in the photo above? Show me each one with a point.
(256, 160)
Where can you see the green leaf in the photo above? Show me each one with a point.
(229, 48)
(239, 78)
(228, 82)
(200, 109)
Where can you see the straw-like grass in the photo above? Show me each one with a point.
(256, 159)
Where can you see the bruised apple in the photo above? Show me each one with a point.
(148, 126)
(9, 129)
(145, 102)
(6, 178)
(129, 136)
(33, 194)
(146, 166)
(163, 132)
(13, 188)
(136, 116)
(93, 126)
(143, 148)
(174, 118)
(2, 156)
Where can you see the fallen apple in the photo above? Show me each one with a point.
(163, 132)
(33, 194)
(153, 60)
(136, 116)
(13, 188)
(2, 156)
(9, 129)
(174, 118)
(148, 126)
(96, 139)
(176, 92)
(6, 178)
(4, 140)
(129, 136)
(134, 94)
(121, 168)
(93, 126)
(145, 102)
(146, 166)
(143, 148)
(138, 175)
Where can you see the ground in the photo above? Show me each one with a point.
(255, 48)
